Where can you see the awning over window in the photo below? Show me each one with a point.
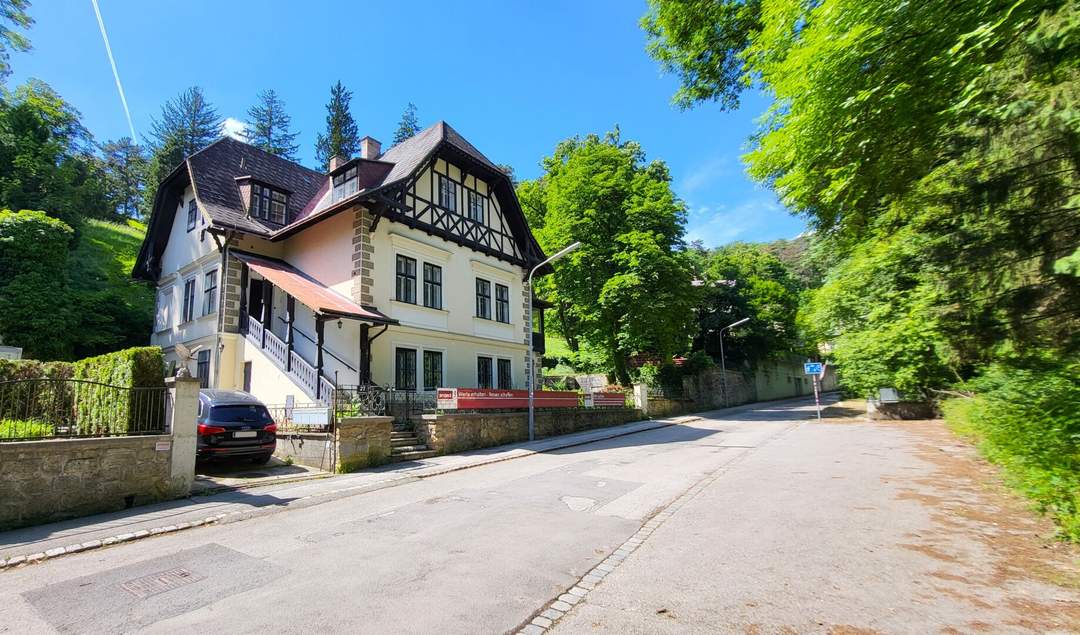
(308, 290)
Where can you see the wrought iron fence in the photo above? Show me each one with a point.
(355, 401)
(406, 406)
(56, 408)
(302, 417)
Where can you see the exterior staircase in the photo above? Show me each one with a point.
(405, 445)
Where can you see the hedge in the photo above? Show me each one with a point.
(86, 407)
(45, 402)
(102, 410)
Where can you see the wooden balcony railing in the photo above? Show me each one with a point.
(306, 375)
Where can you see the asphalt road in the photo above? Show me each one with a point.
(801, 525)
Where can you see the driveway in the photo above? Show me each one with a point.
(779, 524)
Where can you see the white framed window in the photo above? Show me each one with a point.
(447, 193)
(202, 368)
(484, 371)
(345, 184)
(504, 374)
(405, 280)
(209, 292)
(268, 203)
(483, 298)
(405, 368)
(192, 214)
(476, 206)
(433, 369)
(432, 286)
(188, 312)
(502, 303)
(164, 309)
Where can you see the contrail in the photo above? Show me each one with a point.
(116, 74)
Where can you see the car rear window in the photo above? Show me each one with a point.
(240, 414)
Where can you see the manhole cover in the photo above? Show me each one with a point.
(156, 583)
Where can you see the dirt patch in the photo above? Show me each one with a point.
(994, 552)
(847, 411)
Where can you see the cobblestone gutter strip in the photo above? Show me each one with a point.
(320, 497)
(551, 612)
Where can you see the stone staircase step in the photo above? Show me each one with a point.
(414, 455)
(397, 443)
(409, 449)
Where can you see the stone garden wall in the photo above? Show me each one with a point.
(362, 442)
(456, 432)
(45, 481)
(356, 443)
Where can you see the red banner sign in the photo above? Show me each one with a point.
(490, 399)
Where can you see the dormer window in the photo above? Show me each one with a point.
(268, 203)
(345, 184)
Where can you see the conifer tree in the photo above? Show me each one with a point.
(125, 165)
(188, 124)
(268, 126)
(341, 136)
(408, 126)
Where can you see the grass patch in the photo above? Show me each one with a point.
(20, 428)
(1027, 420)
(115, 310)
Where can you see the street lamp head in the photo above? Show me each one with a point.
(739, 323)
(565, 250)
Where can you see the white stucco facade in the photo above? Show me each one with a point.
(437, 336)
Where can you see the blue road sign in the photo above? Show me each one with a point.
(812, 368)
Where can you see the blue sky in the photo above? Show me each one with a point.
(514, 77)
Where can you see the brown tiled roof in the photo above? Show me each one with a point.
(409, 154)
(215, 169)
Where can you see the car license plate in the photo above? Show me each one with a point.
(246, 434)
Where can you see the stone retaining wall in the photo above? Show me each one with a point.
(356, 443)
(313, 449)
(362, 442)
(457, 432)
(57, 479)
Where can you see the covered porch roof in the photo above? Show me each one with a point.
(308, 290)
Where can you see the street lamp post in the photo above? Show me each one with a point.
(723, 364)
(532, 371)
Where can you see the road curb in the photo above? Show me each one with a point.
(312, 499)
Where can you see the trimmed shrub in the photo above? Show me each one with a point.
(140, 367)
(101, 409)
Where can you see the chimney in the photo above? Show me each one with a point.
(370, 148)
(337, 161)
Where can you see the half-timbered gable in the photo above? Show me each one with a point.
(446, 196)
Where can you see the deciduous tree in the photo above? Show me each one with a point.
(627, 289)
